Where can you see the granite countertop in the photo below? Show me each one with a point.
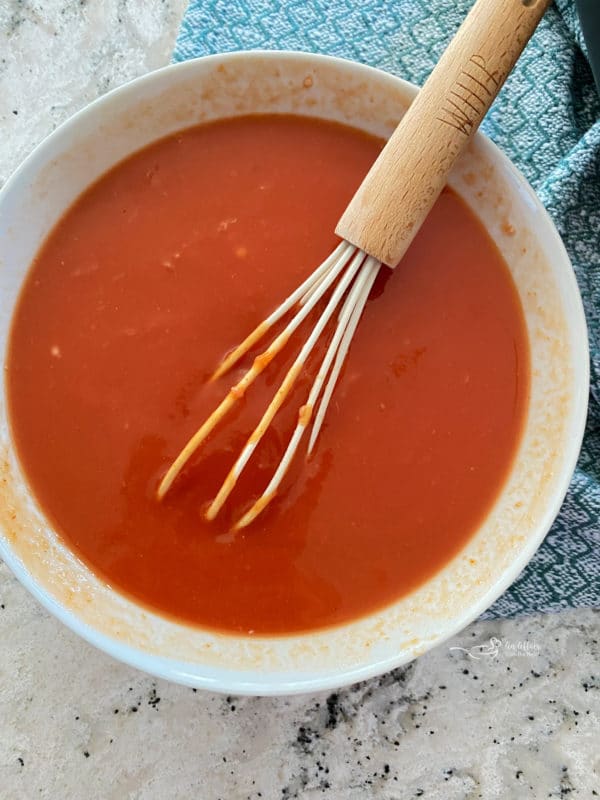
(522, 721)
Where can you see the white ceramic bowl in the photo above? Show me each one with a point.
(193, 92)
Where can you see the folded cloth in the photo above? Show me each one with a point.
(546, 119)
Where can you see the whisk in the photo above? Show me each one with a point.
(376, 229)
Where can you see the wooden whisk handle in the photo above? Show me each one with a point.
(398, 192)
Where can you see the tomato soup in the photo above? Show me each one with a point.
(164, 265)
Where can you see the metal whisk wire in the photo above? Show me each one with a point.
(350, 273)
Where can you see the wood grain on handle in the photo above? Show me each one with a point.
(393, 200)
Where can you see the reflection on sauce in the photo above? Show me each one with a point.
(153, 276)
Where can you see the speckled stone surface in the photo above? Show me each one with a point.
(513, 711)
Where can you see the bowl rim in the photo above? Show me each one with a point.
(237, 681)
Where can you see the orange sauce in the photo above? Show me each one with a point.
(164, 265)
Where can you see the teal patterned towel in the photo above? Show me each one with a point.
(546, 119)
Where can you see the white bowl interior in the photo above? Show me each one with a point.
(194, 92)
